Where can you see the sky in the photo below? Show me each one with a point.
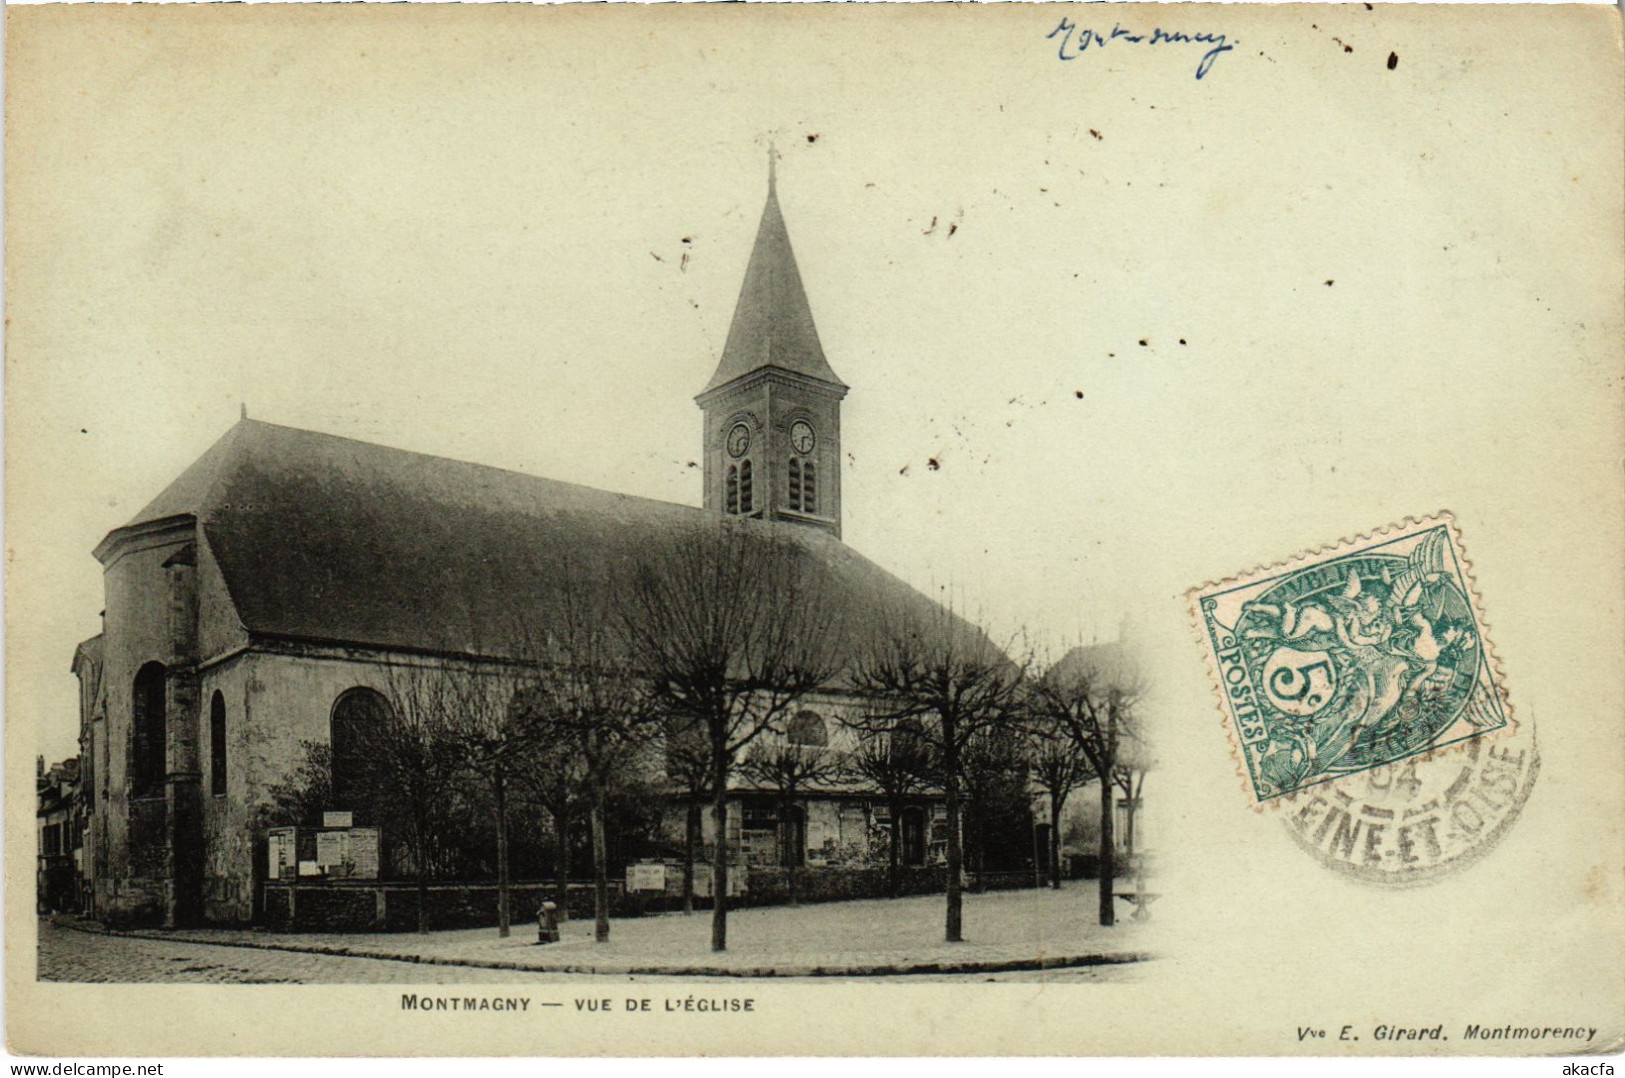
(1111, 331)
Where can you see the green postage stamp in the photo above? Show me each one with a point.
(1350, 658)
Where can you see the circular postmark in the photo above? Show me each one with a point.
(1413, 821)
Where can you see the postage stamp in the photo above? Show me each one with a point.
(1350, 659)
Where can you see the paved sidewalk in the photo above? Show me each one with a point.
(1006, 930)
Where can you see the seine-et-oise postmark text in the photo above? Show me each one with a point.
(1350, 659)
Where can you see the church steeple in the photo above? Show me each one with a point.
(772, 408)
(772, 323)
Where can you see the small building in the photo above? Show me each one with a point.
(58, 823)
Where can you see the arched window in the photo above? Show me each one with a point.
(358, 716)
(148, 759)
(744, 489)
(217, 745)
(795, 483)
(808, 728)
(809, 488)
(733, 490)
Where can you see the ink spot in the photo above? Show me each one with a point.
(84, 431)
(1096, 134)
(1393, 60)
(1181, 340)
(1143, 342)
(693, 464)
(1329, 282)
(933, 464)
(1079, 394)
(952, 228)
(812, 138)
(688, 239)
(903, 470)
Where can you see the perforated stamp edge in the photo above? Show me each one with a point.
(1409, 525)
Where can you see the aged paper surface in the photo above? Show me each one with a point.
(1111, 331)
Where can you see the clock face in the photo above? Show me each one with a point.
(738, 440)
(802, 439)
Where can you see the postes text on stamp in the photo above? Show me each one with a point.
(1350, 659)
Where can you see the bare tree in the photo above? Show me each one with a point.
(733, 625)
(555, 779)
(993, 767)
(936, 668)
(897, 762)
(594, 706)
(1134, 759)
(1059, 766)
(1094, 704)
(688, 768)
(496, 738)
(788, 769)
(414, 759)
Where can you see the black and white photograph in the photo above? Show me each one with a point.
(813, 529)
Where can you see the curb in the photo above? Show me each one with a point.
(991, 965)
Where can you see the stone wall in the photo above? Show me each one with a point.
(393, 907)
(771, 886)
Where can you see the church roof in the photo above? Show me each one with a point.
(772, 324)
(328, 539)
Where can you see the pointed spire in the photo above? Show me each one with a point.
(773, 323)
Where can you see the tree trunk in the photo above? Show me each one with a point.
(600, 872)
(787, 831)
(691, 834)
(719, 866)
(504, 910)
(1056, 804)
(893, 882)
(954, 930)
(1108, 915)
(423, 883)
(561, 865)
(1128, 827)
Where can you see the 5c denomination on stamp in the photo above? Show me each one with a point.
(1350, 659)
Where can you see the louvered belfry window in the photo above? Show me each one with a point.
(744, 489)
(795, 483)
(809, 488)
(733, 490)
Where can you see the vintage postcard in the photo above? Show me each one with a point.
(814, 530)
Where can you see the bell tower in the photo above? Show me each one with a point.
(773, 407)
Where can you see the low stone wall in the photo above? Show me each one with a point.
(771, 886)
(357, 906)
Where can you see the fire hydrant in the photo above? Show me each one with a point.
(547, 923)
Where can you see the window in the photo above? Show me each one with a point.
(357, 716)
(217, 745)
(148, 761)
(803, 485)
(733, 490)
(744, 489)
(808, 728)
(809, 488)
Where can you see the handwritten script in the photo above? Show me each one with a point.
(1076, 40)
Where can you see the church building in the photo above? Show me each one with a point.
(259, 603)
